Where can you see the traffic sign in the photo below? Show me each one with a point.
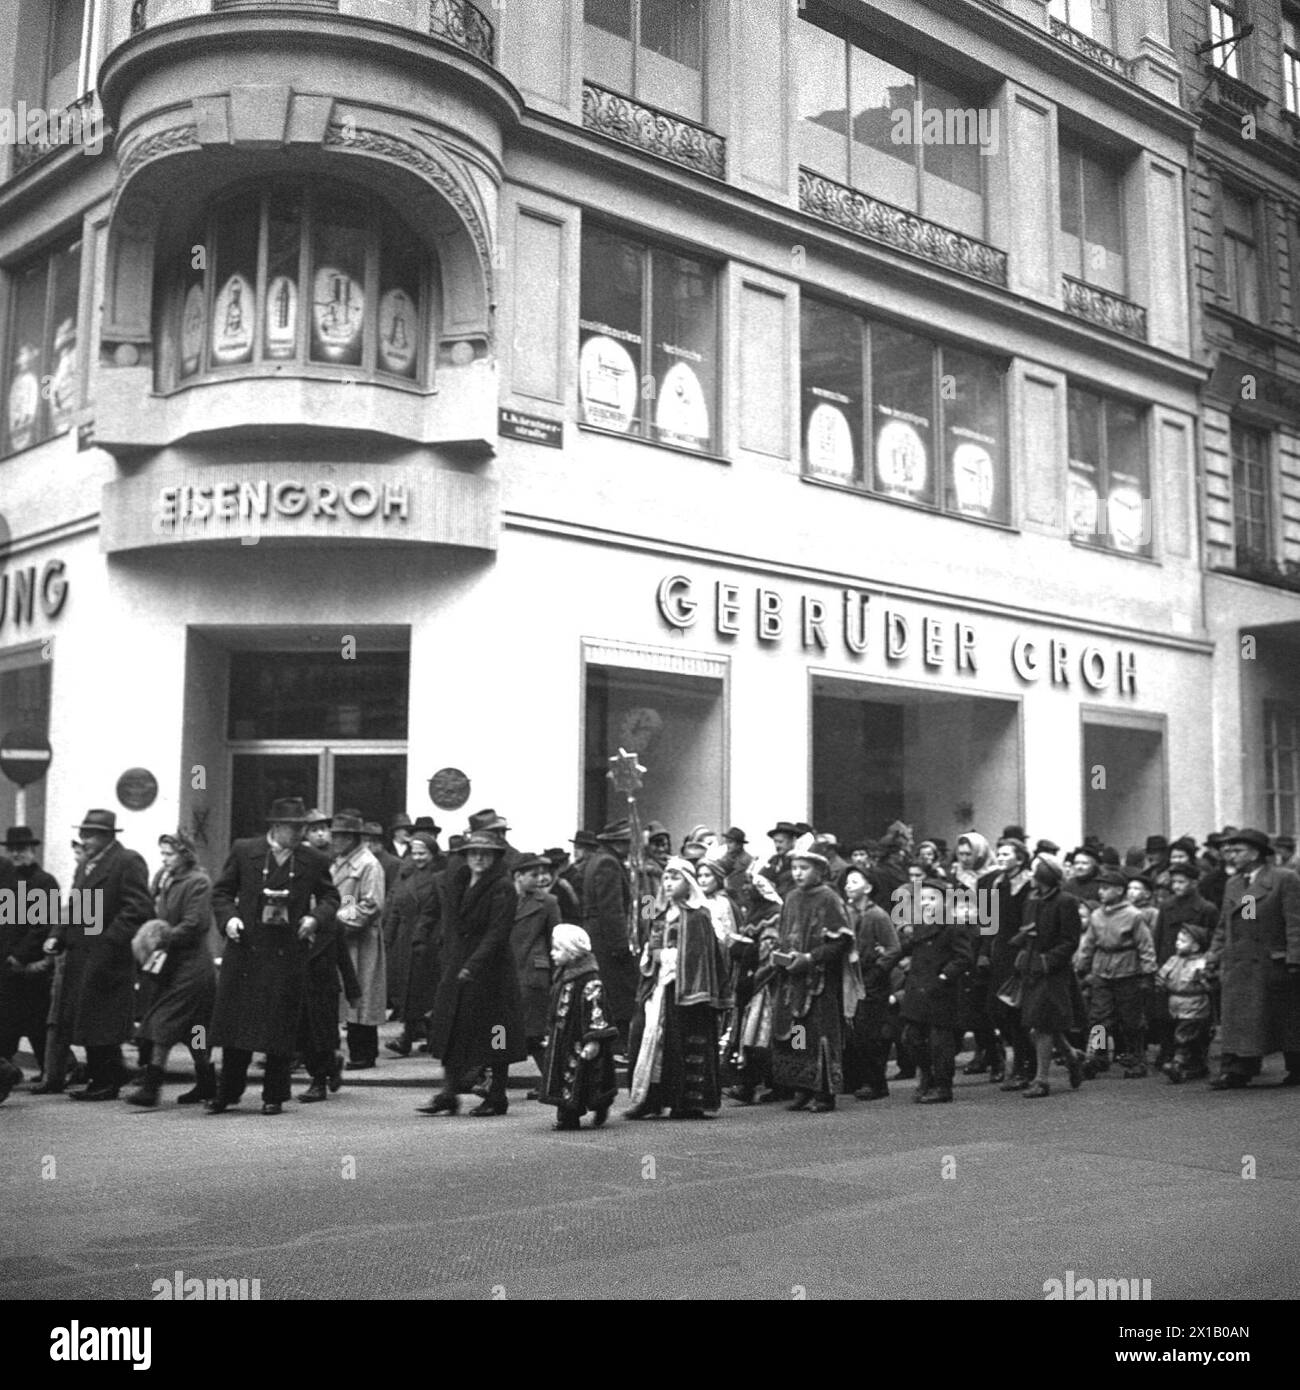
(24, 756)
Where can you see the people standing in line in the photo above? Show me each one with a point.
(1185, 906)
(26, 972)
(411, 917)
(736, 863)
(866, 1046)
(477, 1021)
(578, 1073)
(359, 879)
(1255, 956)
(399, 833)
(1183, 988)
(815, 994)
(372, 836)
(178, 957)
(1008, 888)
(606, 908)
(316, 834)
(682, 993)
(100, 974)
(537, 914)
(270, 900)
(552, 880)
(1118, 959)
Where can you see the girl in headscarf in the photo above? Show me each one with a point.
(711, 874)
(682, 970)
(578, 1066)
(971, 867)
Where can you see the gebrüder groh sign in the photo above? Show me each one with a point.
(857, 624)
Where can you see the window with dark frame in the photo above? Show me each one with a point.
(652, 50)
(1109, 487)
(858, 111)
(1240, 254)
(1092, 218)
(313, 277)
(1224, 23)
(1252, 497)
(42, 379)
(1282, 768)
(901, 415)
(1291, 61)
(648, 341)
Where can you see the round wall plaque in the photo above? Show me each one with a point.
(137, 789)
(449, 789)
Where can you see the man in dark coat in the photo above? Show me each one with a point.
(111, 896)
(272, 899)
(329, 966)
(25, 970)
(477, 1021)
(777, 870)
(1255, 954)
(536, 915)
(391, 864)
(606, 902)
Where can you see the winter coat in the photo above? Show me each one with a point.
(359, 878)
(477, 1022)
(886, 878)
(264, 974)
(606, 903)
(536, 916)
(187, 986)
(25, 994)
(1051, 1002)
(1176, 913)
(876, 938)
(1117, 944)
(941, 953)
(1257, 939)
(411, 915)
(1183, 979)
(100, 974)
(391, 866)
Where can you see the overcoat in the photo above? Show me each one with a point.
(1051, 1002)
(808, 1006)
(471, 1017)
(187, 986)
(935, 948)
(100, 974)
(410, 931)
(536, 915)
(1178, 912)
(606, 902)
(264, 973)
(1257, 938)
(25, 997)
(359, 878)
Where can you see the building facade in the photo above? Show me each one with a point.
(811, 398)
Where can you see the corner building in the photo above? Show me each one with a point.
(804, 397)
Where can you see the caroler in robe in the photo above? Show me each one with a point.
(578, 1065)
(748, 1062)
(817, 987)
(681, 994)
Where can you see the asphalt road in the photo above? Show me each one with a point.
(360, 1197)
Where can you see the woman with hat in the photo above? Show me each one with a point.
(477, 1021)
(411, 917)
(682, 987)
(175, 950)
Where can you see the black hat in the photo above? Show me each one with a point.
(801, 827)
(526, 862)
(1091, 850)
(285, 810)
(1183, 871)
(1187, 843)
(373, 828)
(347, 823)
(615, 831)
(106, 821)
(1116, 878)
(934, 881)
(426, 824)
(1136, 876)
(1109, 855)
(1045, 847)
(484, 839)
(401, 821)
(1257, 838)
(784, 827)
(736, 833)
(456, 843)
(488, 820)
(20, 837)
(1013, 832)
(585, 839)
(556, 855)
(1198, 933)
(1157, 844)
(1134, 858)
(1286, 842)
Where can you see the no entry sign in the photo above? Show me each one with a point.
(24, 756)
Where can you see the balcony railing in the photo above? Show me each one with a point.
(1106, 310)
(904, 231)
(1091, 49)
(79, 125)
(465, 25)
(654, 131)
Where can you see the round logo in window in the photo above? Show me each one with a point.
(1125, 512)
(63, 393)
(1083, 508)
(607, 383)
(232, 322)
(972, 477)
(397, 333)
(24, 398)
(192, 316)
(338, 304)
(682, 414)
(830, 441)
(281, 316)
(900, 458)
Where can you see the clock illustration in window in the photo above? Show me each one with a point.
(639, 729)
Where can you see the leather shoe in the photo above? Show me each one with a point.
(272, 1107)
(316, 1091)
(335, 1078)
(643, 1112)
(600, 1115)
(400, 1048)
(96, 1093)
(822, 1107)
(801, 1102)
(939, 1096)
(489, 1106)
(1037, 1090)
(871, 1093)
(216, 1107)
(441, 1104)
(356, 1065)
(1229, 1081)
(46, 1088)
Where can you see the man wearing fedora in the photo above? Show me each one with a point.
(25, 970)
(99, 978)
(606, 903)
(777, 870)
(271, 899)
(1255, 955)
(359, 879)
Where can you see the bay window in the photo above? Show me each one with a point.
(42, 378)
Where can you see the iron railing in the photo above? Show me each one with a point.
(1105, 309)
(654, 131)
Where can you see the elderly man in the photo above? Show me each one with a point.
(272, 897)
(1255, 954)
(606, 902)
(359, 879)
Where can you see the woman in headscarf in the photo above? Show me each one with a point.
(411, 915)
(1008, 890)
(174, 950)
(683, 971)
(970, 868)
(578, 1066)
(747, 1045)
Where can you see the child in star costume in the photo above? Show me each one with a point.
(578, 1067)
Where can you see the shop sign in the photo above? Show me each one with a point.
(938, 643)
(258, 500)
(22, 589)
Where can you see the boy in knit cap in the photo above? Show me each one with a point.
(578, 1068)
(1118, 958)
(1182, 978)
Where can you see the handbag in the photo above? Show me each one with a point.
(1012, 991)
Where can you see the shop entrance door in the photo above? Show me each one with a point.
(373, 779)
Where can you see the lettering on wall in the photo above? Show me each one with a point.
(938, 644)
(26, 590)
(257, 500)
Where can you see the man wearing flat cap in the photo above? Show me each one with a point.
(1255, 955)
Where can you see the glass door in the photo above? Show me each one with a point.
(257, 779)
(371, 778)
(375, 783)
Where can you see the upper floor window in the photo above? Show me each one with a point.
(1110, 493)
(892, 128)
(1092, 219)
(902, 415)
(649, 49)
(1240, 258)
(301, 277)
(1282, 767)
(1291, 62)
(1252, 501)
(648, 341)
(1224, 23)
(41, 347)
(1090, 17)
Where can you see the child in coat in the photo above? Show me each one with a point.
(578, 1066)
(1182, 978)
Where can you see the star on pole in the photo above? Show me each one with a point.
(625, 772)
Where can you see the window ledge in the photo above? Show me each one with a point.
(1115, 551)
(859, 490)
(654, 443)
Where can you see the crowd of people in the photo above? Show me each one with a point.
(684, 976)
